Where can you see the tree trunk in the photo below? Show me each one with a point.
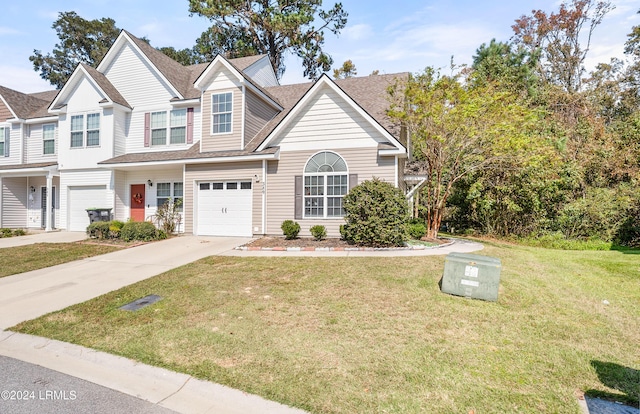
(433, 223)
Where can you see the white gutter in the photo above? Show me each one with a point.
(217, 160)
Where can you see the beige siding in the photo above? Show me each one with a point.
(257, 115)
(14, 202)
(5, 113)
(222, 142)
(280, 184)
(329, 119)
(225, 171)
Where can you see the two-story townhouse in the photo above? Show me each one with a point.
(240, 151)
(28, 160)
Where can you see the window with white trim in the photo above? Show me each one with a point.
(221, 113)
(2, 129)
(49, 139)
(176, 129)
(170, 191)
(89, 131)
(326, 181)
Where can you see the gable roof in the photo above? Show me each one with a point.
(100, 81)
(369, 93)
(24, 105)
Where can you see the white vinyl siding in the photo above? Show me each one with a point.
(261, 73)
(14, 202)
(70, 180)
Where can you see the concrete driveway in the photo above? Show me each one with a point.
(29, 295)
(42, 237)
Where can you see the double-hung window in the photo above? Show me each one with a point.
(48, 139)
(176, 130)
(170, 191)
(81, 131)
(221, 113)
(325, 184)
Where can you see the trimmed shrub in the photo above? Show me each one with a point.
(98, 230)
(375, 215)
(115, 227)
(318, 232)
(19, 232)
(416, 228)
(342, 235)
(142, 231)
(6, 233)
(290, 229)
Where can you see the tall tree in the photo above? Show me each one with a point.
(499, 62)
(347, 70)
(458, 127)
(81, 40)
(272, 27)
(557, 36)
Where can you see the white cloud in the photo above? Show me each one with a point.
(357, 32)
(23, 79)
(8, 31)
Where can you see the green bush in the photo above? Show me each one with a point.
(629, 232)
(558, 241)
(416, 228)
(19, 232)
(342, 235)
(142, 231)
(375, 215)
(98, 230)
(115, 227)
(290, 229)
(318, 232)
(6, 233)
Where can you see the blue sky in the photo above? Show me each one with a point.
(389, 36)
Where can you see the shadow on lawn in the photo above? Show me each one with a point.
(621, 378)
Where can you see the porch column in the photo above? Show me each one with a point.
(49, 202)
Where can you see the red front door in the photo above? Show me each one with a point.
(137, 202)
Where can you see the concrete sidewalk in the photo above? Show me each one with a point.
(42, 237)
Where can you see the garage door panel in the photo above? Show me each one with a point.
(80, 199)
(224, 208)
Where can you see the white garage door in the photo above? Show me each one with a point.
(224, 208)
(82, 198)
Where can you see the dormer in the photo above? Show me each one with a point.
(234, 107)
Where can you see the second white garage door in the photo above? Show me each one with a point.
(224, 208)
(82, 198)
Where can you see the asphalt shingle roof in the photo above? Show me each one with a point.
(22, 104)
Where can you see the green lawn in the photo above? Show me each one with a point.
(365, 335)
(40, 255)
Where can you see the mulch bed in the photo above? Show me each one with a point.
(305, 242)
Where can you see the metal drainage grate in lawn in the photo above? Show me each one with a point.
(141, 303)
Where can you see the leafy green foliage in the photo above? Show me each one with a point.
(416, 228)
(290, 229)
(98, 230)
(375, 215)
(245, 28)
(81, 41)
(347, 70)
(142, 231)
(318, 232)
(4, 232)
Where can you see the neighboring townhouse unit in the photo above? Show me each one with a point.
(240, 151)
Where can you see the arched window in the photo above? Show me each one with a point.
(326, 181)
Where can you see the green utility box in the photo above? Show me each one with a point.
(471, 275)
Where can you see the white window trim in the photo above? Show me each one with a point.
(325, 196)
(85, 130)
(217, 113)
(168, 127)
(44, 140)
(172, 195)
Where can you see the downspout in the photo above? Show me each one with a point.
(264, 197)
